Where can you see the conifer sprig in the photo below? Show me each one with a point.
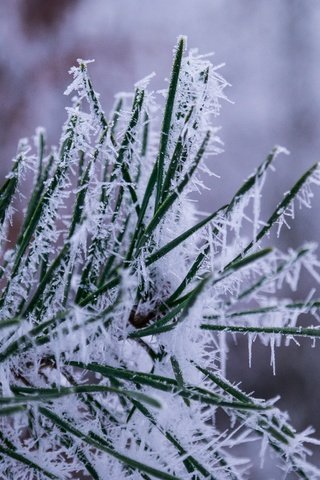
(116, 294)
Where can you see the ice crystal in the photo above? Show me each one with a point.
(117, 297)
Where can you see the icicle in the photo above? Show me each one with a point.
(250, 340)
(273, 358)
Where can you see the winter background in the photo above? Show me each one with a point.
(271, 49)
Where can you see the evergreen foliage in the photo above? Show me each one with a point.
(117, 297)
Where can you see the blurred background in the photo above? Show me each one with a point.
(271, 50)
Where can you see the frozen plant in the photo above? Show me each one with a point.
(117, 297)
